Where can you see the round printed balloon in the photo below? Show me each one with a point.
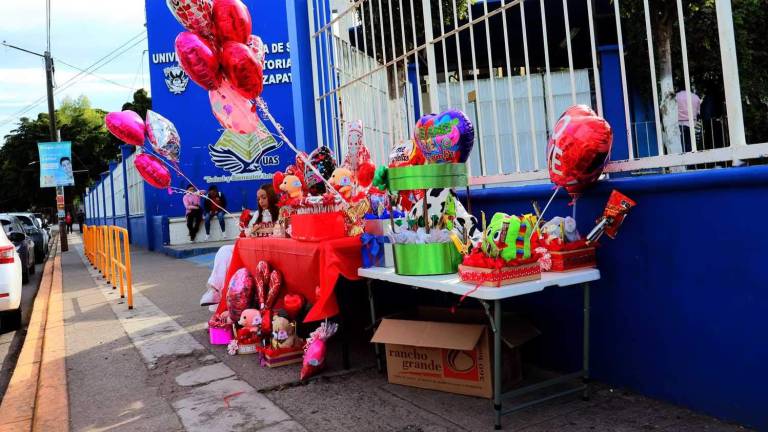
(242, 69)
(163, 136)
(127, 126)
(194, 15)
(199, 60)
(231, 21)
(322, 159)
(447, 137)
(406, 154)
(578, 149)
(232, 110)
(239, 293)
(153, 170)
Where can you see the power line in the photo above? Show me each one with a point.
(114, 54)
(94, 75)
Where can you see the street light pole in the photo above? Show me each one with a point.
(51, 127)
(54, 138)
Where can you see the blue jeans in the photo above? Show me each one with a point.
(208, 216)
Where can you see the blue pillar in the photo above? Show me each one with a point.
(112, 166)
(613, 99)
(415, 90)
(96, 204)
(126, 151)
(104, 197)
(301, 75)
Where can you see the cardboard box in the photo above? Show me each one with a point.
(450, 353)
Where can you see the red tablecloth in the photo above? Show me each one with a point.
(305, 266)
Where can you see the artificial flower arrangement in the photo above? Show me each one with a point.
(506, 254)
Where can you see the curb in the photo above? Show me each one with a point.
(36, 398)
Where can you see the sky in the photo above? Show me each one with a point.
(82, 32)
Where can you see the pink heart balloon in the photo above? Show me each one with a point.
(127, 126)
(199, 60)
(152, 170)
(233, 111)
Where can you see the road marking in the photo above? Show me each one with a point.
(200, 405)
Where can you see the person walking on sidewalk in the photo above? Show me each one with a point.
(80, 219)
(68, 221)
(194, 214)
(215, 206)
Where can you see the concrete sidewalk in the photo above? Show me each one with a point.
(152, 368)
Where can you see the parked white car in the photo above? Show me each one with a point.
(10, 283)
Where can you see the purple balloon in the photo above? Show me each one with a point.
(447, 137)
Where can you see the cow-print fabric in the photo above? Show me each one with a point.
(436, 205)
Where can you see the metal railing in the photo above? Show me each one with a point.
(107, 248)
(513, 66)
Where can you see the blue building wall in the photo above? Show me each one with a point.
(190, 111)
(680, 311)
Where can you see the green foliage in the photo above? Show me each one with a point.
(92, 149)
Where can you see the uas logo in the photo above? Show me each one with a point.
(244, 153)
(176, 79)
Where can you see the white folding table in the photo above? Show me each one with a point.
(452, 284)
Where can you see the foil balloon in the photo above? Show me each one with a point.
(406, 154)
(259, 49)
(233, 111)
(127, 126)
(152, 170)
(194, 15)
(447, 137)
(231, 21)
(300, 156)
(163, 136)
(357, 152)
(322, 159)
(242, 69)
(578, 149)
(239, 293)
(199, 60)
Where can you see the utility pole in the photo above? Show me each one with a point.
(52, 129)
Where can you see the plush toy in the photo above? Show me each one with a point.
(283, 333)
(290, 183)
(508, 236)
(250, 321)
(342, 179)
(562, 228)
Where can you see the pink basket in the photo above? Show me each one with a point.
(220, 335)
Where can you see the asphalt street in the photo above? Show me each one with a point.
(12, 340)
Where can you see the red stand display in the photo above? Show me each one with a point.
(305, 266)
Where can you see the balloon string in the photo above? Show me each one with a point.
(541, 216)
(174, 166)
(264, 109)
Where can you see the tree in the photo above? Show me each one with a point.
(703, 47)
(92, 149)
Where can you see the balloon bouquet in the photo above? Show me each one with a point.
(220, 54)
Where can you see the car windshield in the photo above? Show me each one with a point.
(6, 225)
(27, 222)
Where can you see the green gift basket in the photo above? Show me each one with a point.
(428, 176)
(426, 259)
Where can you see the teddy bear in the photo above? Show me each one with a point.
(291, 182)
(283, 333)
(250, 321)
(341, 179)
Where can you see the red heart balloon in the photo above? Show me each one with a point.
(199, 60)
(242, 69)
(152, 170)
(578, 149)
(293, 303)
(231, 21)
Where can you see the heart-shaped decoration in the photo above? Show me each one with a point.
(447, 137)
(163, 136)
(578, 149)
(194, 15)
(293, 303)
(127, 126)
